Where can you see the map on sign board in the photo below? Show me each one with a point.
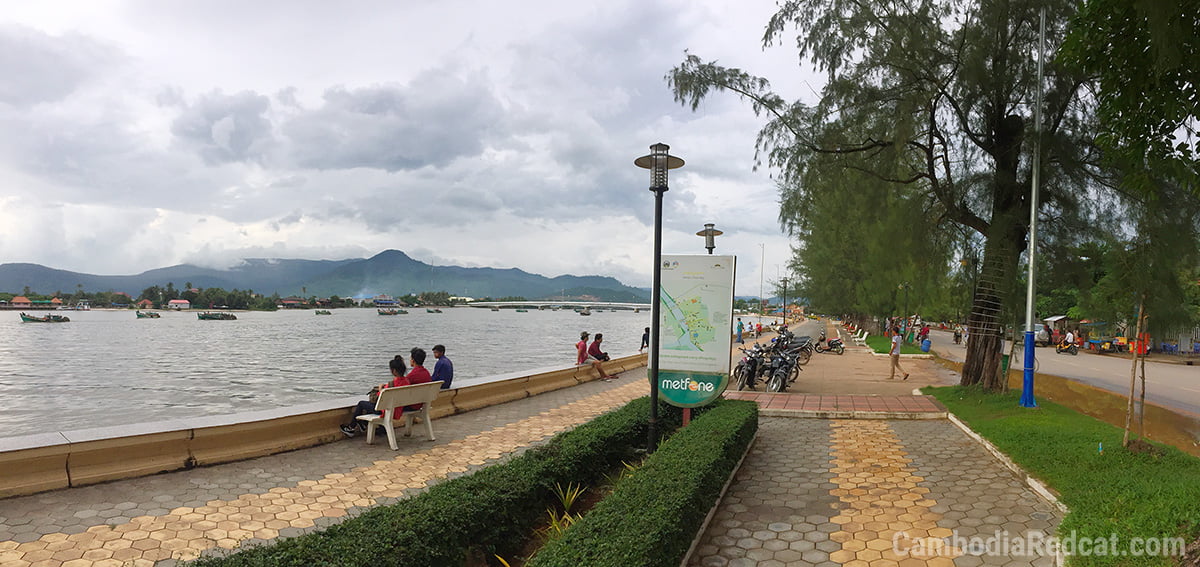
(696, 302)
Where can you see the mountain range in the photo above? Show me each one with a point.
(390, 272)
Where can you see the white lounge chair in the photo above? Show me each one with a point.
(392, 398)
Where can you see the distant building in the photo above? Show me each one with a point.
(291, 303)
(145, 304)
(179, 304)
(384, 300)
(21, 301)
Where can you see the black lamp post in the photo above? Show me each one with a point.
(710, 235)
(659, 162)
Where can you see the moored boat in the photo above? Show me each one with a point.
(585, 311)
(323, 312)
(216, 316)
(147, 315)
(522, 311)
(45, 319)
(428, 310)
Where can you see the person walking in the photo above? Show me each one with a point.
(740, 327)
(443, 369)
(645, 340)
(895, 354)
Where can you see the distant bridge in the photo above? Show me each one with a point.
(562, 304)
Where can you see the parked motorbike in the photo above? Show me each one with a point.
(1069, 349)
(832, 345)
(745, 375)
(783, 370)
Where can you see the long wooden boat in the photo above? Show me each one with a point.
(428, 310)
(45, 319)
(323, 312)
(216, 316)
(147, 315)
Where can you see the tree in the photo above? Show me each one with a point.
(1143, 54)
(934, 98)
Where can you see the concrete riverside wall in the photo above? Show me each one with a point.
(1176, 428)
(48, 461)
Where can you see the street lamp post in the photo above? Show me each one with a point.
(659, 162)
(785, 310)
(710, 235)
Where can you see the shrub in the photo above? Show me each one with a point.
(652, 516)
(492, 510)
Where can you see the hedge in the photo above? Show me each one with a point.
(491, 511)
(652, 516)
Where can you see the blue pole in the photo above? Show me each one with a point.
(1027, 400)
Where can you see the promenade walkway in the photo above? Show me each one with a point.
(811, 492)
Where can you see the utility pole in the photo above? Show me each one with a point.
(761, 265)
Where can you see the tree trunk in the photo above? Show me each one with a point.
(984, 324)
(1133, 373)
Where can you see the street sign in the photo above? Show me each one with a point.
(694, 333)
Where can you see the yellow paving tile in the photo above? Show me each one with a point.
(884, 511)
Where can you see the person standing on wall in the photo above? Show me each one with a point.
(740, 327)
(895, 354)
(443, 369)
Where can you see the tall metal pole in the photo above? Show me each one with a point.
(659, 162)
(761, 265)
(785, 282)
(655, 316)
(1027, 384)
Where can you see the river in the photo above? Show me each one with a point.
(109, 368)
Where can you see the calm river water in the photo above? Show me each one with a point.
(110, 368)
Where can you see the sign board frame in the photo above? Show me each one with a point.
(695, 337)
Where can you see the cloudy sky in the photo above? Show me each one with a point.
(141, 134)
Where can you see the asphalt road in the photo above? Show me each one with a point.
(1176, 386)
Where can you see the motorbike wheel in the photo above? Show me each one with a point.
(780, 376)
(840, 349)
(776, 383)
(1074, 350)
(819, 349)
(805, 356)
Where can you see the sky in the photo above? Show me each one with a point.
(142, 134)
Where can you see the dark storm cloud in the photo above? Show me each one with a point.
(226, 128)
(39, 68)
(433, 121)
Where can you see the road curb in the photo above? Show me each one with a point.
(847, 414)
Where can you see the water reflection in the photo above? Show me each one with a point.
(110, 368)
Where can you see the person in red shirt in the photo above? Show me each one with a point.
(581, 349)
(365, 407)
(418, 375)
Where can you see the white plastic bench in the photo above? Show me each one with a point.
(862, 339)
(392, 398)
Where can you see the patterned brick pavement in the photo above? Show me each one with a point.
(156, 520)
(869, 493)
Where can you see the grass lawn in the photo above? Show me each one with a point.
(1112, 492)
(884, 345)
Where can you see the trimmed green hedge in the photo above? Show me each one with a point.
(653, 515)
(492, 511)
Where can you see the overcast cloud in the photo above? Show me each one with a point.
(140, 134)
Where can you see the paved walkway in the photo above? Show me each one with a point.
(812, 491)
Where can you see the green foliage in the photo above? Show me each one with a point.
(653, 515)
(1111, 492)
(882, 344)
(1143, 53)
(492, 510)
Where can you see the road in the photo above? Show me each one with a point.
(1176, 386)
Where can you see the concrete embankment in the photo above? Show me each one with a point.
(53, 460)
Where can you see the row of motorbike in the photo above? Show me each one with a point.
(778, 363)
